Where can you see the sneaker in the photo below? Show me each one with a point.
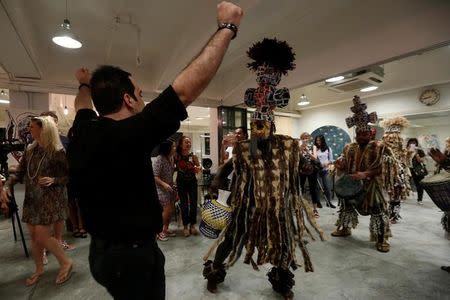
(162, 237)
(420, 202)
(44, 258)
(67, 247)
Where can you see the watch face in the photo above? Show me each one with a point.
(429, 97)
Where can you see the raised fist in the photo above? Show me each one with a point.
(83, 75)
(228, 12)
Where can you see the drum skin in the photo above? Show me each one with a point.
(438, 188)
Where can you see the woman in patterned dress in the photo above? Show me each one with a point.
(163, 169)
(44, 171)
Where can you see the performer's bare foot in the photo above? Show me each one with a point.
(342, 232)
(383, 247)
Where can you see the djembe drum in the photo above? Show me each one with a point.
(438, 188)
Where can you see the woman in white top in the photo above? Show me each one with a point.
(325, 156)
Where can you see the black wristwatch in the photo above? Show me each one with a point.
(230, 26)
(84, 84)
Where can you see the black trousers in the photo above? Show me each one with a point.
(187, 191)
(128, 271)
(312, 182)
(418, 186)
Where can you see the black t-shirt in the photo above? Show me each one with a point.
(111, 171)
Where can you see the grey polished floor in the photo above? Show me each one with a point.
(345, 268)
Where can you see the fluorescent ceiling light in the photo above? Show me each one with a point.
(199, 118)
(369, 89)
(334, 79)
(2, 101)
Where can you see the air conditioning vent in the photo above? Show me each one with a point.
(358, 80)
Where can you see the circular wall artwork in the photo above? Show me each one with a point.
(335, 137)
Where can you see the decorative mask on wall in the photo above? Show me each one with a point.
(271, 59)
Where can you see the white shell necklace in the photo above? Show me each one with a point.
(38, 167)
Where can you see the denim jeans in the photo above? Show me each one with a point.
(322, 176)
(128, 271)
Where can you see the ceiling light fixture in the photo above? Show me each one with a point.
(303, 100)
(2, 101)
(334, 79)
(65, 37)
(3, 93)
(369, 89)
(66, 111)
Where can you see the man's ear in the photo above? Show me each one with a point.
(129, 101)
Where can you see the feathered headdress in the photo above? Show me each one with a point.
(395, 124)
(277, 54)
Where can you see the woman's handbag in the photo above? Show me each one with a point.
(420, 170)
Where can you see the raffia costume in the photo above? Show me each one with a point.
(378, 159)
(394, 141)
(268, 213)
(374, 156)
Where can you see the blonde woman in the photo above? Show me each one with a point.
(44, 171)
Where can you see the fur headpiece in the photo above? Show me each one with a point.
(277, 54)
(395, 124)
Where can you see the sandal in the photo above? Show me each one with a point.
(67, 247)
(33, 279)
(193, 231)
(170, 233)
(83, 234)
(62, 278)
(162, 237)
(316, 214)
(45, 258)
(186, 232)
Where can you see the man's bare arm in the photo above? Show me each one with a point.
(83, 98)
(191, 82)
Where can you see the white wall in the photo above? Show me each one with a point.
(287, 126)
(394, 104)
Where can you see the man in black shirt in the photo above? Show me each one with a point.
(110, 167)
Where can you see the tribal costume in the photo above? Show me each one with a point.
(375, 161)
(268, 213)
(394, 141)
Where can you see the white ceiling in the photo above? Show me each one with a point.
(329, 38)
(420, 70)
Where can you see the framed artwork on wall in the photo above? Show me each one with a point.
(335, 137)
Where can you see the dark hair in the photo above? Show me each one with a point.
(108, 85)
(412, 140)
(323, 145)
(180, 142)
(244, 130)
(49, 114)
(165, 148)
